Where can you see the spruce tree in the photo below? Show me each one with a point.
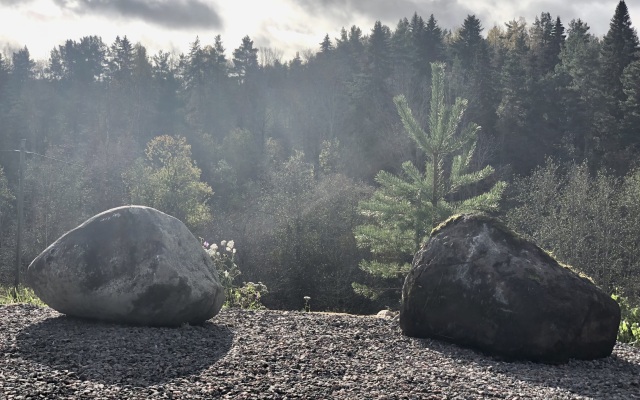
(404, 209)
(379, 53)
(121, 55)
(519, 145)
(472, 68)
(23, 66)
(580, 99)
(245, 59)
(325, 45)
(468, 41)
(541, 43)
(427, 46)
(433, 40)
(545, 113)
(619, 49)
(557, 41)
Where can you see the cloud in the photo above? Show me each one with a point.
(448, 13)
(596, 13)
(14, 2)
(176, 14)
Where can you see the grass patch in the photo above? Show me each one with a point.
(8, 295)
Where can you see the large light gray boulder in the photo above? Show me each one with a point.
(133, 265)
(478, 284)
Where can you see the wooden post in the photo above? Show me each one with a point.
(23, 144)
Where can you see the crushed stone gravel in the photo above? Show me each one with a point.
(243, 354)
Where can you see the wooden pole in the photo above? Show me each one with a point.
(23, 144)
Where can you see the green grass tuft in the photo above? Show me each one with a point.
(8, 295)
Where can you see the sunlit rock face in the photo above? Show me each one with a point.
(477, 284)
(133, 265)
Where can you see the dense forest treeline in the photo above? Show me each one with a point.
(277, 155)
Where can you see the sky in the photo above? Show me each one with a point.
(289, 26)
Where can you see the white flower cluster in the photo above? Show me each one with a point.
(214, 250)
(229, 246)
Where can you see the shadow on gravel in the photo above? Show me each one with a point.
(120, 354)
(612, 374)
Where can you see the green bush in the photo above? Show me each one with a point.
(248, 296)
(629, 331)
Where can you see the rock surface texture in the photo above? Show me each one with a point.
(133, 265)
(477, 284)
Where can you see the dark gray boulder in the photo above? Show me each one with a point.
(133, 265)
(477, 284)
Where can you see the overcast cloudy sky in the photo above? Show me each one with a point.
(287, 25)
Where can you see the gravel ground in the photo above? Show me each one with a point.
(277, 355)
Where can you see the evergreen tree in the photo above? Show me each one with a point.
(245, 59)
(250, 95)
(434, 40)
(325, 45)
(23, 65)
(355, 39)
(546, 118)
(518, 147)
(619, 49)
(19, 97)
(580, 98)
(557, 42)
(81, 62)
(77, 69)
(350, 50)
(121, 60)
(401, 52)
(468, 41)
(545, 44)
(428, 47)
(379, 53)
(218, 88)
(194, 67)
(418, 36)
(472, 67)
(343, 40)
(404, 209)
(141, 92)
(220, 57)
(166, 86)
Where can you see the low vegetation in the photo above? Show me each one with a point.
(629, 331)
(248, 295)
(9, 295)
